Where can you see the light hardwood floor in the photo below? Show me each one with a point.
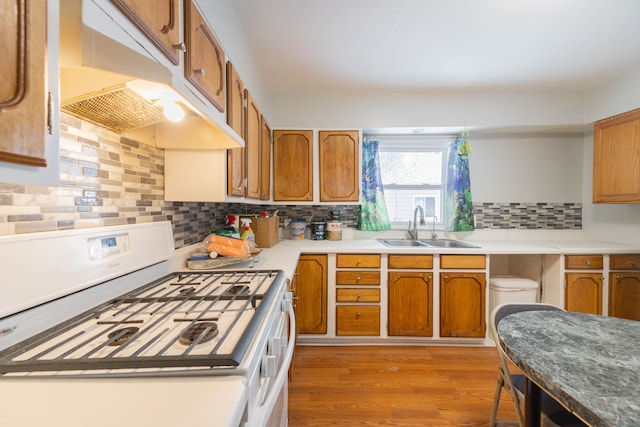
(394, 386)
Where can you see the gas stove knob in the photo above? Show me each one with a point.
(268, 368)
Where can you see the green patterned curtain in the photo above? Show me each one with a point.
(373, 214)
(459, 206)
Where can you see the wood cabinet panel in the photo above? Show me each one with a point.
(410, 261)
(158, 21)
(368, 278)
(265, 159)
(583, 292)
(358, 261)
(24, 101)
(311, 290)
(205, 61)
(462, 304)
(616, 159)
(463, 261)
(578, 262)
(252, 133)
(235, 119)
(358, 320)
(339, 166)
(410, 304)
(292, 165)
(624, 262)
(624, 295)
(357, 295)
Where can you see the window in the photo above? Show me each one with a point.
(413, 174)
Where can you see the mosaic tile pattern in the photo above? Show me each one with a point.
(107, 180)
(548, 216)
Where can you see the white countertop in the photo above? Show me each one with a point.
(284, 255)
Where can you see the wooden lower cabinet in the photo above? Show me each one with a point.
(311, 293)
(410, 304)
(358, 320)
(583, 292)
(462, 304)
(624, 295)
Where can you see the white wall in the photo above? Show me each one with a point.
(526, 168)
(609, 222)
(439, 109)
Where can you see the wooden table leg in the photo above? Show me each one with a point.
(531, 403)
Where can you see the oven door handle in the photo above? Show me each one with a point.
(263, 411)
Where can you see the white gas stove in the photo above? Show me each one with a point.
(102, 315)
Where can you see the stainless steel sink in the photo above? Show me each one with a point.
(399, 243)
(447, 243)
(426, 243)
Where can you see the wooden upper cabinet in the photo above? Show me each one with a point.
(616, 159)
(204, 58)
(23, 85)
(252, 134)
(265, 159)
(292, 165)
(339, 166)
(158, 21)
(235, 119)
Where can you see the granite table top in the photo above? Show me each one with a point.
(590, 363)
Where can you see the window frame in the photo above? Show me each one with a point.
(419, 143)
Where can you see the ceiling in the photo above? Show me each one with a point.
(440, 45)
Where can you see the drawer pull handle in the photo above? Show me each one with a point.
(358, 262)
(588, 262)
(358, 278)
(357, 315)
(358, 296)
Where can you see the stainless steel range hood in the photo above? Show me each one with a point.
(109, 79)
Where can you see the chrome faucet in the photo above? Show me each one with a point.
(413, 230)
(434, 235)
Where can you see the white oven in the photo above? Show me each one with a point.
(100, 331)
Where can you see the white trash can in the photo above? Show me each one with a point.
(512, 289)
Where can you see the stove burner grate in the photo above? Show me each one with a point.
(238, 290)
(121, 336)
(200, 332)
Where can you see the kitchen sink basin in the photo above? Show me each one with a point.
(399, 243)
(447, 243)
(426, 243)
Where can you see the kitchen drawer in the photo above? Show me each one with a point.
(411, 261)
(358, 261)
(463, 261)
(578, 262)
(358, 320)
(624, 262)
(358, 278)
(357, 295)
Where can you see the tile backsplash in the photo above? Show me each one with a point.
(107, 180)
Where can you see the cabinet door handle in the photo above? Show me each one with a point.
(199, 71)
(172, 19)
(181, 47)
(358, 278)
